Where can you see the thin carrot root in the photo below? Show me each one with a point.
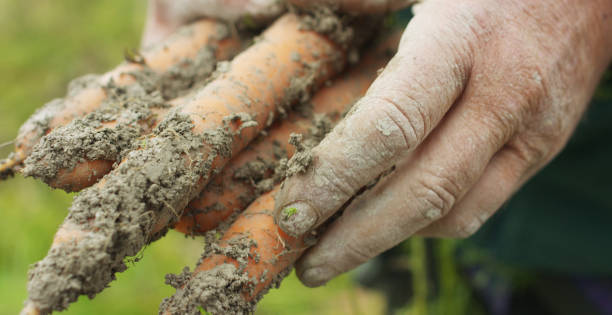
(260, 166)
(10, 165)
(87, 93)
(77, 155)
(30, 309)
(135, 203)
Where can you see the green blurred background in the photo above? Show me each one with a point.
(43, 45)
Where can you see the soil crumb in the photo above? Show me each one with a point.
(299, 162)
(325, 20)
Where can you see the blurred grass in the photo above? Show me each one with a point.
(43, 45)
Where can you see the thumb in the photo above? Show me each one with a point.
(165, 16)
(399, 110)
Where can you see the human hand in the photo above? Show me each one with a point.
(480, 96)
(165, 16)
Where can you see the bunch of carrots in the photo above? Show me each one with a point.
(208, 162)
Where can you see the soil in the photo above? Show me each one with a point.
(130, 107)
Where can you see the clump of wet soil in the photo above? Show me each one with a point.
(132, 110)
(221, 290)
(120, 215)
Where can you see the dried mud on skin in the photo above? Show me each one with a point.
(130, 107)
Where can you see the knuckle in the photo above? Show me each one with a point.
(532, 149)
(401, 115)
(438, 194)
(357, 253)
(333, 180)
(497, 123)
(470, 24)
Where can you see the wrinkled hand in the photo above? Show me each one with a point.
(480, 96)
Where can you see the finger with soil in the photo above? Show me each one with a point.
(89, 92)
(135, 203)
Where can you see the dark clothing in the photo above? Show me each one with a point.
(561, 220)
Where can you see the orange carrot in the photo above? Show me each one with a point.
(227, 194)
(135, 203)
(87, 172)
(253, 255)
(87, 93)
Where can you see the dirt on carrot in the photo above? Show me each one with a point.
(131, 107)
(170, 67)
(123, 219)
(263, 174)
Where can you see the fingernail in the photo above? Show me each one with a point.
(316, 277)
(297, 218)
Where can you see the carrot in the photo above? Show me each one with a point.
(252, 256)
(135, 203)
(229, 193)
(87, 93)
(77, 155)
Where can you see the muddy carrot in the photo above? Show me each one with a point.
(77, 155)
(253, 255)
(252, 171)
(87, 93)
(135, 203)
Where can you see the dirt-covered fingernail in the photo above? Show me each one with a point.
(297, 218)
(316, 276)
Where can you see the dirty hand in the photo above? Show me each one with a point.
(480, 96)
(165, 16)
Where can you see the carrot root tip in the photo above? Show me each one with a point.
(10, 166)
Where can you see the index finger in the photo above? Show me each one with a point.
(400, 109)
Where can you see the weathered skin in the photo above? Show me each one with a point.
(480, 96)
